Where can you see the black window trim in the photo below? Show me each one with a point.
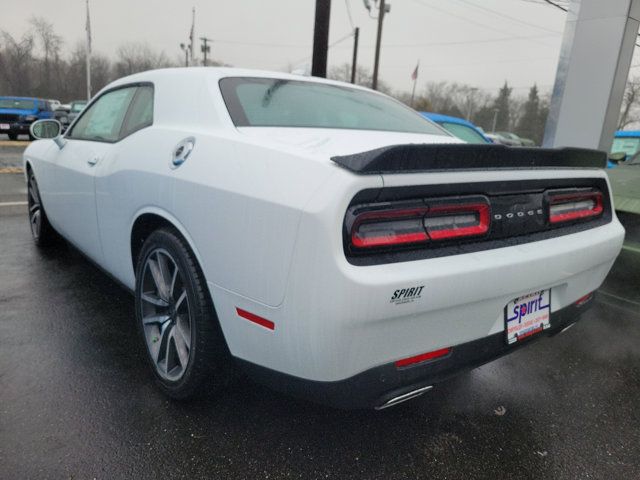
(69, 132)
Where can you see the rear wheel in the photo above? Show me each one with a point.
(41, 230)
(176, 318)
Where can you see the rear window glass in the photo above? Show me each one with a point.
(266, 102)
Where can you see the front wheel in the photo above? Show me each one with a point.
(176, 318)
(42, 232)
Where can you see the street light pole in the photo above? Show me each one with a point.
(495, 118)
(381, 12)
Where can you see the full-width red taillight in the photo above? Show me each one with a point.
(438, 219)
(569, 206)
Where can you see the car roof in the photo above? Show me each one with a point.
(216, 73)
(438, 117)
(627, 133)
(21, 98)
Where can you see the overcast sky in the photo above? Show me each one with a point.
(479, 42)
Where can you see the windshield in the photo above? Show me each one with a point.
(627, 145)
(17, 104)
(266, 102)
(77, 106)
(464, 132)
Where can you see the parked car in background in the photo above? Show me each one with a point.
(459, 127)
(55, 104)
(500, 140)
(62, 114)
(18, 113)
(67, 115)
(322, 236)
(627, 142)
(74, 110)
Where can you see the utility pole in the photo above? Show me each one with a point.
(88, 52)
(205, 49)
(382, 9)
(321, 38)
(185, 49)
(495, 118)
(354, 62)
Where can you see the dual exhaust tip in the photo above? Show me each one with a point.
(404, 397)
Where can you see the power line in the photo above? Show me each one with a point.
(509, 17)
(556, 5)
(346, 2)
(461, 42)
(466, 19)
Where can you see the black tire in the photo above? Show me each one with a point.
(12, 136)
(42, 232)
(161, 319)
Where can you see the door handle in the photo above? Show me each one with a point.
(93, 160)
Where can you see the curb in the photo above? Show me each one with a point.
(11, 170)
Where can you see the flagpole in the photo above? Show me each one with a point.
(88, 53)
(415, 80)
(413, 92)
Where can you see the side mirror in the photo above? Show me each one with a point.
(617, 157)
(47, 129)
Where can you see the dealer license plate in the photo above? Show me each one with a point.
(527, 315)
(4, 126)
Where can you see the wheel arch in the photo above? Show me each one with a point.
(146, 221)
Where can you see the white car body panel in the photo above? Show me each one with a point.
(263, 211)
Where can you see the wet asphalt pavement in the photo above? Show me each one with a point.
(77, 400)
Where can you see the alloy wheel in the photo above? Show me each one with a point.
(166, 315)
(35, 207)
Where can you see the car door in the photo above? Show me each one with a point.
(71, 201)
(127, 179)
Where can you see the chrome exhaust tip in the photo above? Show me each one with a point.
(404, 397)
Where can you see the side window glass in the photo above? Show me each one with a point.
(140, 113)
(102, 121)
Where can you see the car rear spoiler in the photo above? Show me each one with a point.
(447, 157)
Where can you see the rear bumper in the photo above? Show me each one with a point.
(375, 387)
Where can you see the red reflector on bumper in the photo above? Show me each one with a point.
(263, 322)
(582, 300)
(423, 357)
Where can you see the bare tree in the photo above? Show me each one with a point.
(630, 103)
(16, 62)
(137, 57)
(50, 68)
(364, 76)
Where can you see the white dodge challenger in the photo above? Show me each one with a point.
(322, 236)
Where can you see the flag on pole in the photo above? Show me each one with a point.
(88, 29)
(414, 75)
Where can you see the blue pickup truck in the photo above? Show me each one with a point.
(18, 113)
